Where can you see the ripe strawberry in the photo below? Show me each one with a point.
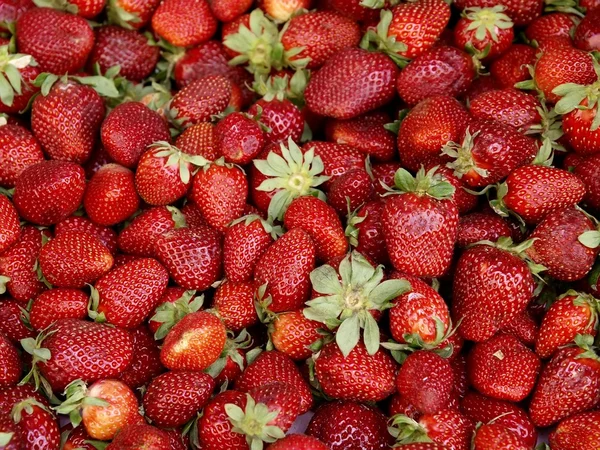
(358, 376)
(427, 128)
(350, 190)
(105, 407)
(320, 35)
(351, 82)
(106, 235)
(59, 42)
(220, 191)
(184, 24)
(282, 118)
(19, 149)
(579, 431)
(365, 233)
(298, 442)
(355, 10)
(98, 159)
(49, 191)
(110, 196)
(586, 33)
(129, 129)
(192, 256)
(550, 28)
(11, 439)
(127, 294)
(215, 430)
(442, 70)
(20, 70)
(145, 364)
(486, 31)
(587, 170)
(67, 119)
(10, 230)
(74, 259)
(424, 249)
(572, 314)
(12, 10)
(569, 384)
(283, 10)
(478, 226)
(56, 304)
(292, 334)
(173, 306)
(227, 10)
(239, 138)
(36, 426)
(199, 140)
(273, 366)
(234, 304)
(336, 159)
(524, 327)
(511, 67)
(519, 11)
(285, 268)
(13, 318)
(76, 438)
(508, 106)
(10, 373)
(492, 285)
(494, 436)
(172, 399)
(141, 436)
(17, 264)
(345, 425)
(131, 14)
(194, 343)
(76, 349)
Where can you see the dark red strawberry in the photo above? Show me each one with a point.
(508, 106)
(337, 159)
(11, 363)
(19, 149)
(465, 201)
(141, 236)
(511, 67)
(365, 233)
(145, 364)
(20, 71)
(282, 118)
(239, 138)
(552, 29)
(479, 226)
(228, 10)
(10, 230)
(183, 24)
(350, 190)
(494, 436)
(578, 431)
(36, 426)
(56, 304)
(106, 235)
(141, 436)
(486, 31)
(519, 11)
(234, 304)
(586, 33)
(13, 319)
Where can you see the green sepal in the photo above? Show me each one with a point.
(169, 314)
(431, 184)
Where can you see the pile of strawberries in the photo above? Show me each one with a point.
(299, 224)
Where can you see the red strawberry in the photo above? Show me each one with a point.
(145, 364)
(127, 49)
(365, 233)
(228, 10)
(12, 10)
(199, 140)
(285, 268)
(284, 10)
(11, 363)
(98, 159)
(76, 438)
(215, 430)
(358, 376)
(75, 349)
(174, 305)
(106, 235)
(511, 67)
(172, 399)
(234, 304)
(129, 129)
(337, 159)
(131, 14)
(49, 191)
(442, 70)
(36, 425)
(552, 27)
(507, 106)
(492, 285)
(184, 24)
(298, 442)
(194, 343)
(478, 226)
(572, 314)
(13, 319)
(10, 230)
(487, 31)
(128, 293)
(60, 42)
(519, 11)
(239, 138)
(282, 118)
(427, 128)
(578, 431)
(355, 10)
(586, 33)
(524, 327)
(569, 384)
(56, 304)
(494, 436)
(10, 433)
(141, 436)
(111, 197)
(352, 82)
(20, 70)
(193, 257)
(587, 170)
(292, 334)
(74, 259)
(420, 224)
(19, 149)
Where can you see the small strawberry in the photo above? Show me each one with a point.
(199, 140)
(493, 436)
(19, 149)
(215, 430)
(478, 226)
(184, 24)
(131, 14)
(11, 363)
(145, 364)
(282, 119)
(350, 190)
(486, 31)
(292, 334)
(298, 441)
(13, 319)
(106, 235)
(234, 304)
(586, 33)
(578, 431)
(365, 233)
(56, 304)
(511, 67)
(239, 138)
(141, 436)
(508, 106)
(10, 230)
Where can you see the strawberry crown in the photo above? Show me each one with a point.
(253, 422)
(586, 343)
(586, 300)
(25, 406)
(281, 87)
(60, 5)
(549, 128)
(39, 354)
(506, 244)
(242, 341)
(485, 21)
(379, 40)
(103, 85)
(10, 76)
(378, 4)
(463, 158)
(294, 174)
(76, 398)
(347, 299)
(275, 231)
(119, 16)
(406, 430)
(431, 184)
(169, 314)
(176, 157)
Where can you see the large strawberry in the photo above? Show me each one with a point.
(183, 23)
(579, 431)
(487, 32)
(420, 223)
(106, 235)
(55, 304)
(19, 149)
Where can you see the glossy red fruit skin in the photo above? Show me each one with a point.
(12, 321)
(60, 42)
(10, 229)
(464, 37)
(19, 149)
(279, 397)
(243, 245)
(371, 242)
(579, 431)
(202, 98)
(140, 436)
(10, 372)
(352, 82)
(465, 201)
(441, 71)
(480, 226)
(344, 425)
(49, 191)
(495, 436)
(28, 90)
(588, 170)
(577, 126)
(12, 430)
(142, 234)
(298, 442)
(283, 118)
(293, 334)
(184, 24)
(511, 67)
(587, 32)
(551, 29)
(508, 106)
(215, 429)
(145, 364)
(55, 304)
(13, 9)
(519, 11)
(106, 235)
(234, 303)
(350, 190)
(239, 138)
(337, 159)
(200, 140)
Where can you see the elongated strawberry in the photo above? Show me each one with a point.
(577, 431)
(184, 24)
(424, 249)
(10, 230)
(106, 235)
(488, 31)
(19, 149)
(56, 304)
(234, 304)
(509, 106)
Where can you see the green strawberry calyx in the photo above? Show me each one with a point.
(347, 300)
(276, 231)
(61, 5)
(379, 40)
(549, 128)
(169, 314)
(25, 406)
(463, 158)
(406, 430)
(519, 250)
(77, 397)
(39, 354)
(103, 85)
(292, 175)
(253, 422)
(10, 75)
(119, 16)
(6, 438)
(428, 183)
(486, 21)
(584, 300)
(353, 220)
(233, 345)
(281, 87)
(176, 158)
(586, 343)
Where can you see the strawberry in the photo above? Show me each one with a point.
(283, 10)
(481, 302)
(19, 149)
(578, 431)
(56, 304)
(131, 14)
(76, 438)
(220, 191)
(282, 118)
(11, 439)
(519, 11)
(140, 436)
(524, 327)
(292, 334)
(354, 9)
(351, 82)
(587, 31)
(550, 28)
(246, 239)
(19, 71)
(320, 35)
(228, 10)
(586, 170)
(67, 119)
(106, 235)
(345, 425)
(358, 375)
(11, 363)
(17, 273)
(184, 24)
(298, 442)
(215, 430)
(494, 436)
(12, 10)
(285, 268)
(194, 343)
(478, 226)
(49, 191)
(234, 304)
(503, 368)
(442, 70)
(105, 407)
(273, 366)
(239, 138)
(350, 190)
(199, 140)
(10, 230)
(573, 313)
(74, 349)
(173, 306)
(511, 67)
(13, 319)
(127, 294)
(486, 31)
(427, 128)
(337, 159)
(421, 250)
(36, 425)
(192, 256)
(365, 133)
(365, 233)
(129, 129)
(59, 42)
(110, 196)
(145, 364)
(98, 158)
(569, 384)
(127, 49)
(172, 399)
(74, 259)
(508, 106)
